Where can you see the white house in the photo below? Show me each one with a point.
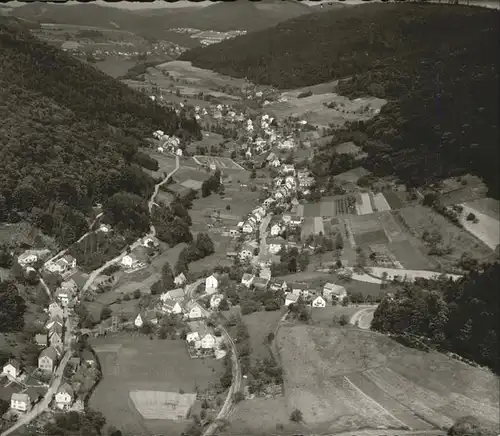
(104, 228)
(290, 298)
(278, 285)
(265, 273)
(300, 289)
(332, 290)
(275, 245)
(275, 230)
(208, 341)
(247, 228)
(195, 313)
(20, 402)
(174, 295)
(288, 169)
(27, 258)
(127, 261)
(286, 218)
(275, 163)
(260, 210)
(211, 284)
(247, 279)
(215, 301)
(145, 317)
(192, 337)
(178, 152)
(64, 396)
(245, 254)
(180, 279)
(12, 368)
(171, 306)
(319, 302)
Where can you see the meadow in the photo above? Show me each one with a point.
(139, 364)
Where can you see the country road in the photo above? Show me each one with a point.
(94, 274)
(363, 317)
(44, 404)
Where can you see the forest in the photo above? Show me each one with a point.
(460, 317)
(69, 136)
(441, 118)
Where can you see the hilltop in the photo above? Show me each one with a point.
(69, 135)
(442, 115)
(219, 16)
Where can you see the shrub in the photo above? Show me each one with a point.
(296, 416)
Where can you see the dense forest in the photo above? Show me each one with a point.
(69, 135)
(441, 82)
(461, 317)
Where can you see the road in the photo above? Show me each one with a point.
(263, 235)
(363, 317)
(94, 274)
(377, 272)
(44, 404)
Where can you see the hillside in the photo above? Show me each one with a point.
(442, 115)
(219, 16)
(68, 136)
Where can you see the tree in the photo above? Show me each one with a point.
(105, 313)
(204, 244)
(296, 416)
(167, 277)
(469, 426)
(12, 308)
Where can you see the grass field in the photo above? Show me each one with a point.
(140, 364)
(223, 163)
(380, 202)
(419, 219)
(394, 199)
(487, 229)
(166, 163)
(115, 67)
(328, 207)
(348, 378)
(259, 325)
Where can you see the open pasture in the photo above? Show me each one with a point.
(487, 229)
(329, 207)
(350, 378)
(394, 199)
(420, 218)
(140, 364)
(410, 256)
(166, 163)
(222, 163)
(259, 325)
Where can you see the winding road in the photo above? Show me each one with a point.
(363, 317)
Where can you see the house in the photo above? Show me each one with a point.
(260, 283)
(174, 295)
(288, 169)
(55, 310)
(55, 337)
(247, 279)
(64, 396)
(180, 279)
(215, 301)
(234, 232)
(88, 358)
(275, 163)
(146, 317)
(12, 368)
(20, 402)
(268, 201)
(192, 337)
(247, 227)
(150, 242)
(66, 292)
(69, 262)
(208, 341)
(27, 258)
(275, 229)
(265, 273)
(276, 244)
(194, 311)
(54, 323)
(319, 302)
(259, 210)
(332, 290)
(104, 228)
(300, 289)
(178, 152)
(41, 340)
(47, 359)
(128, 261)
(211, 284)
(286, 219)
(296, 220)
(290, 298)
(278, 285)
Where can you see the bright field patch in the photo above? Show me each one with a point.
(162, 405)
(487, 229)
(380, 202)
(350, 378)
(223, 163)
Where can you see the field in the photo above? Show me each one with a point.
(313, 108)
(364, 207)
(347, 378)
(223, 163)
(115, 67)
(328, 207)
(140, 364)
(259, 325)
(393, 199)
(166, 163)
(380, 203)
(420, 219)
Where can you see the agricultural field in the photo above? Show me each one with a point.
(394, 199)
(328, 207)
(379, 202)
(166, 163)
(347, 378)
(364, 207)
(259, 325)
(139, 373)
(222, 163)
(115, 67)
(420, 218)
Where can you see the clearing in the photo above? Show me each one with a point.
(348, 378)
(223, 163)
(133, 368)
(487, 229)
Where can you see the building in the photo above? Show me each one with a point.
(171, 306)
(332, 290)
(128, 261)
(145, 317)
(64, 396)
(193, 311)
(275, 230)
(211, 284)
(265, 273)
(246, 253)
(300, 289)
(319, 302)
(180, 279)
(247, 228)
(54, 323)
(27, 258)
(88, 358)
(56, 337)
(174, 295)
(47, 359)
(12, 368)
(260, 283)
(247, 279)
(215, 301)
(41, 340)
(208, 341)
(192, 338)
(55, 310)
(20, 402)
(276, 244)
(290, 298)
(278, 285)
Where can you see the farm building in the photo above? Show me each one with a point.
(332, 290)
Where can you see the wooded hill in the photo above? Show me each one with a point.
(435, 64)
(69, 135)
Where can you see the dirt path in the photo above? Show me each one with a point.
(363, 317)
